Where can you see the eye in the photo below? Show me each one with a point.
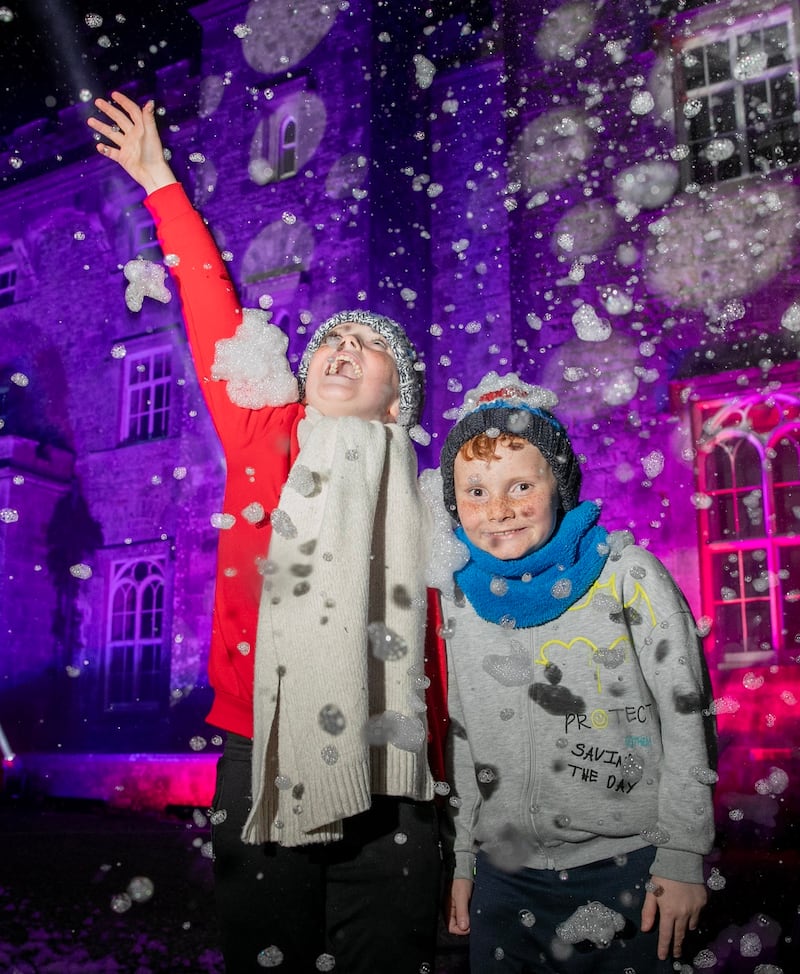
(332, 338)
(380, 343)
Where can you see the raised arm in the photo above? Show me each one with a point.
(134, 141)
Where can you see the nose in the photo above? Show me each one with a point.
(499, 508)
(350, 340)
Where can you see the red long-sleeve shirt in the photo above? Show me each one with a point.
(260, 446)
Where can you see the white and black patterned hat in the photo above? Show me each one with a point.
(409, 369)
(506, 404)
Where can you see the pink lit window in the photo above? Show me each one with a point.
(133, 670)
(748, 470)
(287, 148)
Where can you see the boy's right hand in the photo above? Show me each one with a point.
(458, 906)
(135, 142)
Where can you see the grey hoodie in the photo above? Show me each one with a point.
(586, 737)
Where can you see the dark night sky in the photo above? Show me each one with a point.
(48, 51)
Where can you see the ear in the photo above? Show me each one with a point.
(394, 410)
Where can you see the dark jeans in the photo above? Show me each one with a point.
(513, 919)
(370, 901)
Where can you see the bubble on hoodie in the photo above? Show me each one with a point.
(146, 280)
(594, 922)
(509, 671)
(254, 363)
(706, 776)
(404, 732)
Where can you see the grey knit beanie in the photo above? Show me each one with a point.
(505, 404)
(409, 370)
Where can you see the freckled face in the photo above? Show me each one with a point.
(507, 505)
(354, 373)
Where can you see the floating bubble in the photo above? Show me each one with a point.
(8, 515)
(80, 571)
(332, 720)
(197, 743)
(271, 956)
(121, 903)
(282, 524)
(141, 889)
(594, 922)
(223, 521)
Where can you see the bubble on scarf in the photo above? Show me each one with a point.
(404, 732)
(80, 571)
(222, 521)
(301, 480)
(121, 903)
(526, 918)
(509, 671)
(441, 788)
(254, 363)
(254, 513)
(506, 713)
(594, 922)
(141, 889)
(716, 881)
(498, 953)
(498, 586)
(486, 776)
(218, 816)
(416, 704)
(325, 962)
(146, 280)
(351, 454)
(454, 801)
(243, 648)
(329, 754)
(271, 956)
(283, 782)
(400, 838)
(655, 836)
(384, 643)
(332, 720)
(282, 524)
(562, 821)
(706, 776)
(507, 622)
(589, 327)
(562, 589)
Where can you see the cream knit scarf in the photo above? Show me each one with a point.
(339, 669)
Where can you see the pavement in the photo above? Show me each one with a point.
(90, 889)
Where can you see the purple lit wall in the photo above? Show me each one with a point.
(506, 183)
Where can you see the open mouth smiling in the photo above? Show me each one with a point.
(344, 365)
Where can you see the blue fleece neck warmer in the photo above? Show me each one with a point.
(539, 587)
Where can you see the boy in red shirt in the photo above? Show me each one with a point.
(320, 603)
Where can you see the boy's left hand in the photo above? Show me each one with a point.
(678, 906)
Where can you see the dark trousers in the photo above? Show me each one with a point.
(369, 902)
(514, 916)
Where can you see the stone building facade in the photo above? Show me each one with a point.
(602, 198)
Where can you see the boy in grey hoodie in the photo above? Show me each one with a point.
(580, 746)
